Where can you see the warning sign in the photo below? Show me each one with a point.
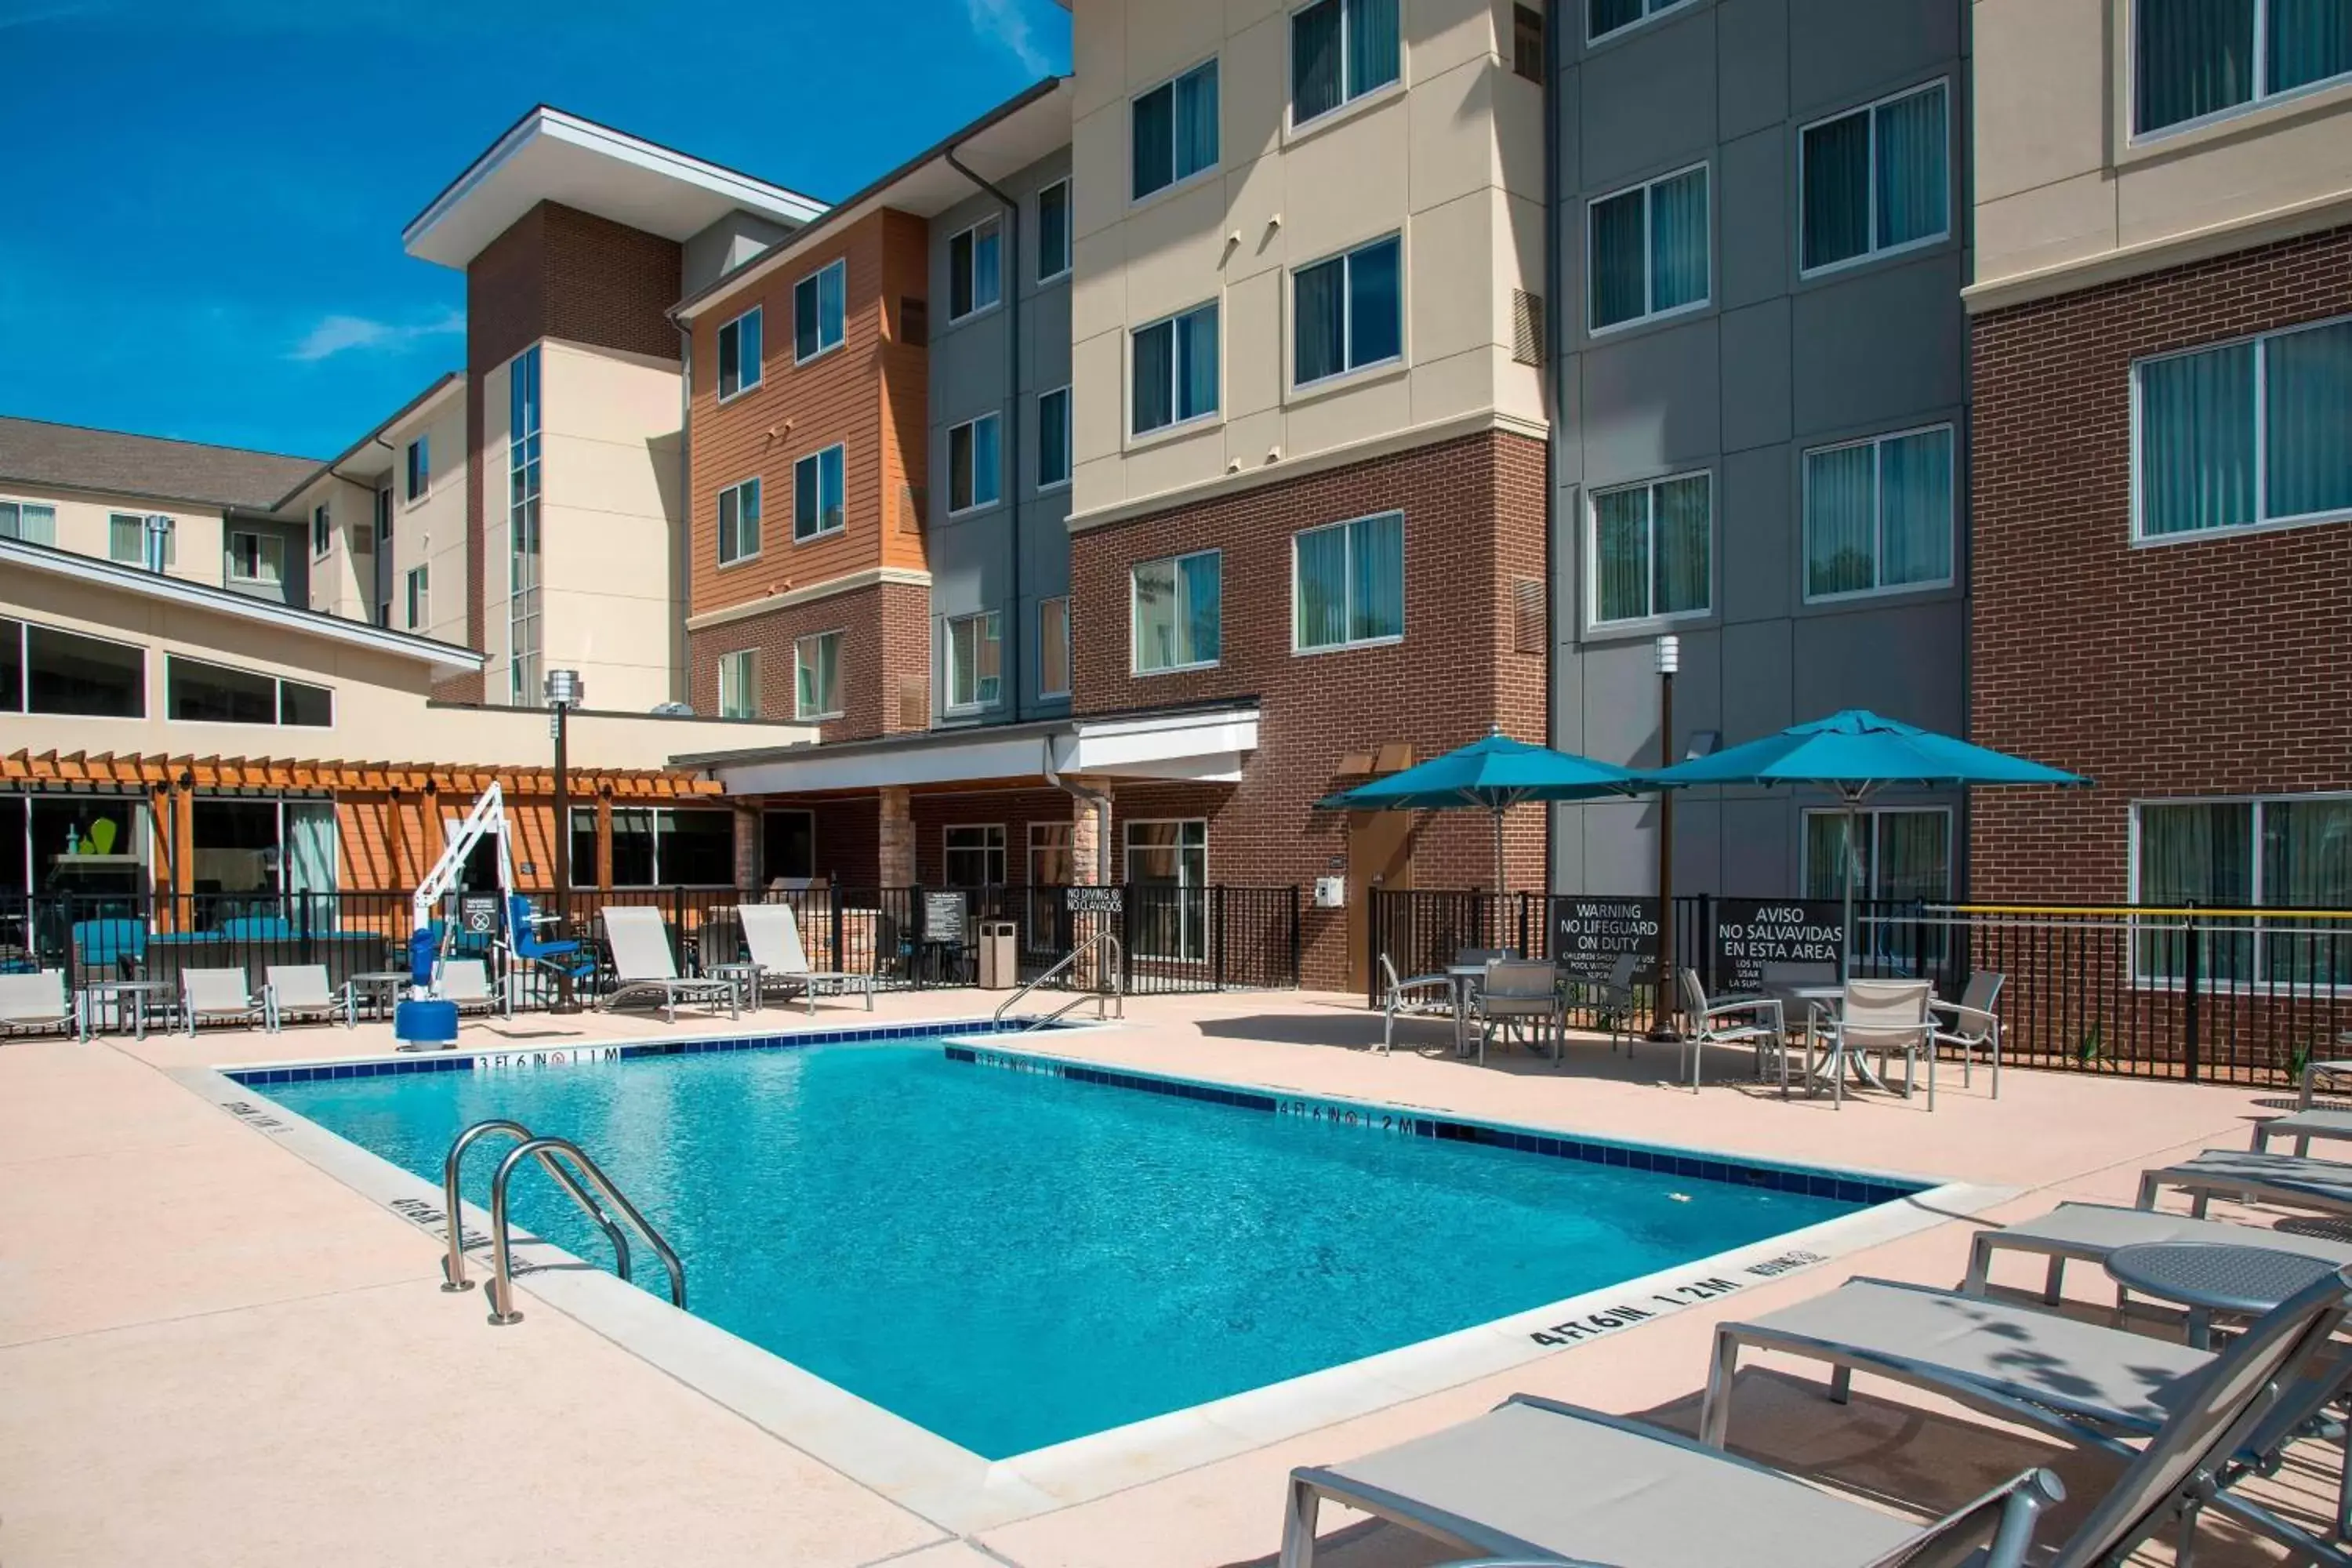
(1752, 933)
(1587, 935)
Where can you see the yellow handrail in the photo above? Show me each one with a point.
(2127, 910)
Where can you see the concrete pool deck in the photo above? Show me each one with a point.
(212, 1352)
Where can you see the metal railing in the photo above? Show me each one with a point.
(1113, 994)
(548, 1151)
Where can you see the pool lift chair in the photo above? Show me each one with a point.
(425, 1018)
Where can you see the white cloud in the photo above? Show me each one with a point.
(1007, 23)
(338, 334)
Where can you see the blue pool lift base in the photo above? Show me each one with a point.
(424, 1026)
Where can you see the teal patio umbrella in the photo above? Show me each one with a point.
(1855, 753)
(1493, 776)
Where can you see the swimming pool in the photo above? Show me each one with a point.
(1011, 1259)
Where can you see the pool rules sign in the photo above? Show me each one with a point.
(1587, 935)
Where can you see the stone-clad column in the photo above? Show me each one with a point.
(1085, 842)
(897, 848)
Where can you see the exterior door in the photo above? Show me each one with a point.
(1380, 854)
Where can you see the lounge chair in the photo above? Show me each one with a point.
(219, 997)
(300, 991)
(2289, 1181)
(1611, 1000)
(772, 933)
(467, 982)
(1752, 1021)
(1537, 1479)
(1520, 991)
(1423, 996)
(1972, 1026)
(36, 1004)
(642, 963)
(2092, 1386)
(2087, 1233)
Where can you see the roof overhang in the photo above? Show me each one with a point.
(370, 457)
(18, 555)
(551, 156)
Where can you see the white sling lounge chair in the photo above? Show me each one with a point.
(773, 934)
(219, 997)
(37, 1005)
(2289, 1181)
(300, 991)
(2088, 1232)
(642, 963)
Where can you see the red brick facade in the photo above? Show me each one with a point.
(2211, 665)
(886, 641)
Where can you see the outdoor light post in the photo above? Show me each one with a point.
(1670, 659)
(564, 692)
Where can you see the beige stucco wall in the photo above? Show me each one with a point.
(83, 519)
(430, 531)
(2066, 197)
(341, 580)
(1451, 158)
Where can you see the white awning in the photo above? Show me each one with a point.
(1207, 745)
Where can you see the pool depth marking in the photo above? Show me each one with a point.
(552, 1057)
(1673, 1298)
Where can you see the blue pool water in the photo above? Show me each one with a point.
(1011, 1259)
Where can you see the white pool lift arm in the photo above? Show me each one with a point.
(488, 815)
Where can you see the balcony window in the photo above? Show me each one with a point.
(818, 502)
(1174, 364)
(1878, 514)
(1347, 583)
(820, 305)
(740, 358)
(2201, 59)
(975, 270)
(739, 521)
(1653, 550)
(1649, 250)
(2244, 433)
(1875, 181)
(1340, 50)
(1178, 612)
(1175, 129)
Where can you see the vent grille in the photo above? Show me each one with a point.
(1528, 42)
(1526, 327)
(1530, 620)
(914, 321)
(914, 703)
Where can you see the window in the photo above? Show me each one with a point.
(1649, 250)
(2286, 852)
(1527, 43)
(787, 845)
(1903, 857)
(257, 558)
(1653, 550)
(975, 646)
(1604, 17)
(1875, 181)
(28, 520)
(2245, 433)
(44, 670)
(522, 530)
(820, 302)
(2196, 59)
(740, 357)
(974, 857)
(1051, 862)
(660, 847)
(1054, 646)
(1347, 583)
(816, 675)
(420, 468)
(1054, 438)
(323, 530)
(383, 516)
(245, 851)
(1167, 872)
(817, 505)
(1175, 129)
(40, 834)
(975, 270)
(1878, 514)
(1175, 370)
(1340, 50)
(420, 598)
(739, 521)
(974, 477)
(739, 684)
(196, 692)
(1348, 313)
(1178, 612)
(1053, 231)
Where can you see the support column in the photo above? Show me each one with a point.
(895, 848)
(1086, 841)
(747, 846)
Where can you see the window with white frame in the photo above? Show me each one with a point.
(126, 539)
(255, 557)
(46, 670)
(739, 684)
(1347, 583)
(31, 521)
(1875, 180)
(1878, 514)
(196, 692)
(2244, 434)
(820, 310)
(2194, 60)
(973, 856)
(1348, 313)
(976, 268)
(1054, 438)
(1340, 50)
(1603, 19)
(1054, 646)
(323, 530)
(975, 477)
(1053, 231)
(1178, 612)
(1173, 370)
(1649, 249)
(739, 521)
(818, 507)
(2274, 852)
(1174, 130)
(975, 652)
(419, 476)
(1168, 866)
(420, 598)
(1653, 550)
(742, 359)
(816, 675)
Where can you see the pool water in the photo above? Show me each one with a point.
(1014, 1259)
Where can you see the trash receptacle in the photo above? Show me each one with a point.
(998, 955)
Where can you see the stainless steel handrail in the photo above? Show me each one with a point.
(547, 1149)
(453, 1266)
(1116, 994)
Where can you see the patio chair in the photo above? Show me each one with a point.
(2226, 1415)
(771, 932)
(467, 982)
(1754, 1021)
(219, 997)
(1423, 996)
(1535, 1479)
(1611, 1000)
(1974, 1026)
(301, 991)
(1882, 1016)
(2088, 1232)
(36, 1004)
(1520, 991)
(642, 963)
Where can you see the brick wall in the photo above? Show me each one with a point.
(2220, 664)
(886, 640)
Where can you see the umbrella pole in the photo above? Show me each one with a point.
(1498, 877)
(1852, 859)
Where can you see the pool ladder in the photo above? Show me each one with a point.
(1106, 998)
(575, 1173)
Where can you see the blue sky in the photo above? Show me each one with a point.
(204, 198)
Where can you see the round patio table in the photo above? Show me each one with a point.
(379, 989)
(2210, 1277)
(136, 997)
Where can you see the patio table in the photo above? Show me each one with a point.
(378, 989)
(744, 977)
(2209, 1276)
(138, 997)
(1465, 978)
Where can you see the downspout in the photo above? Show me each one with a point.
(681, 684)
(1100, 801)
(1554, 404)
(1011, 643)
